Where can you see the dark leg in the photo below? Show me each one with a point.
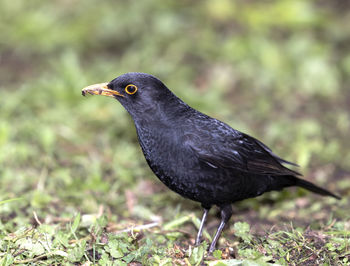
(200, 231)
(226, 213)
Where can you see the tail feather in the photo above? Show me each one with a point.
(309, 186)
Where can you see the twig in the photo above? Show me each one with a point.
(161, 232)
(330, 225)
(100, 211)
(139, 227)
(19, 252)
(36, 218)
(30, 260)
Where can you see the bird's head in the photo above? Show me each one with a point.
(137, 92)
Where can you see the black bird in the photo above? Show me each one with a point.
(197, 156)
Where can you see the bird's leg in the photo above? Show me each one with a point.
(226, 213)
(200, 231)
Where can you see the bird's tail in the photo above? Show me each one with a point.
(309, 186)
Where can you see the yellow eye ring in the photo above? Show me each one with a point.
(131, 89)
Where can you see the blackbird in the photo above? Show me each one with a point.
(195, 155)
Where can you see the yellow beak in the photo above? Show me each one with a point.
(100, 89)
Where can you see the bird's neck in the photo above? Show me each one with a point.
(163, 114)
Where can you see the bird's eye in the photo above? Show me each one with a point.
(130, 89)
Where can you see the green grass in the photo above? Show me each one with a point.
(74, 187)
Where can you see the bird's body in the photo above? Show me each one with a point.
(177, 157)
(197, 156)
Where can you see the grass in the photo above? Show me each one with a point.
(74, 187)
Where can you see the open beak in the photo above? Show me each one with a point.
(100, 89)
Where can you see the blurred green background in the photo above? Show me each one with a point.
(277, 70)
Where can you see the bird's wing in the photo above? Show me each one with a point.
(240, 152)
(279, 159)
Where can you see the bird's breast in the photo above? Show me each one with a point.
(178, 167)
(171, 162)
